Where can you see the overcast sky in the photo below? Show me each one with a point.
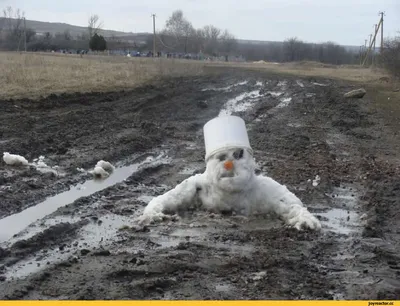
(347, 22)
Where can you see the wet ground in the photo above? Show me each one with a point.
(64, 235)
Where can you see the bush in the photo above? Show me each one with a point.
(390, 57)
(97, 43)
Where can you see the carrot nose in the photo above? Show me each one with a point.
(228, 165)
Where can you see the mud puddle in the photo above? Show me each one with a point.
(14, 224)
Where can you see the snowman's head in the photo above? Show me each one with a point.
(231, 169)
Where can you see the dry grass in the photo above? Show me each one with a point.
(34, 75)
(313, 69)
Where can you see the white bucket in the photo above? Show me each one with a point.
(225, 132)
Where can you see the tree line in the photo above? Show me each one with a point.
(14, 34)
(177, 36)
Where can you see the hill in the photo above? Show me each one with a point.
(42, 27)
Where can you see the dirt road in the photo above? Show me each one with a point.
(65, 236)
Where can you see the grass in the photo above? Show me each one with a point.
(33, 75)
(314, 69)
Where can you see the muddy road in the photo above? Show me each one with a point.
(64, 235)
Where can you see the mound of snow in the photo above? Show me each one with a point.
(14, 160)
(103, 169)
(105, 165)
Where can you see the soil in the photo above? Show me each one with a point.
(85, 245)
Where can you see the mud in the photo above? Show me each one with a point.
(65, 236)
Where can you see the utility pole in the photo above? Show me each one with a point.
(154, 34)
(382, 14)
(373, 55)
(25, 32)
(372, 43)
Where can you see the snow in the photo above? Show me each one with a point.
(239, 190)
(227, 88)
(300, 84)
(284, 102)
(14, 159)
(103, 169)
(316, 181)
(319, 84)
(99, 172)
(105, 165)
(275, 93)
(237, 105)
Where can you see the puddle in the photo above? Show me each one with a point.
(340, 221)
(16, 223)
(236, 104)
(90, 236)
(36, 228)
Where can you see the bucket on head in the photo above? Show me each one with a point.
(225, 132)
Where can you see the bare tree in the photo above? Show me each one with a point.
(228, 42)
(211, 35)
(178, 31)
(292, 48)
(13, 26)
(94, 25)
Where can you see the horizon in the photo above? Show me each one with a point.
(308, 20)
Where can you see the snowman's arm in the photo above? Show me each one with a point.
(176, 198)
(277, 198)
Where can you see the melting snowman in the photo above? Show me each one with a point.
(229, 182)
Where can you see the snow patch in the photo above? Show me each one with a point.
(319, 84)
(14, 159)
(284, 102)
(316, 181)
(227, 88)
(237, 105)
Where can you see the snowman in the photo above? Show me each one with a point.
(229, 182)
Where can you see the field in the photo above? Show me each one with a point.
(66, 236)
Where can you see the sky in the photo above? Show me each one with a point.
(347, 22)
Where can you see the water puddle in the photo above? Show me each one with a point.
(14, 224)
(93, 235)
(342, 220)
(240, 103)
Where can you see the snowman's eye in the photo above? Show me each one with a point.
(238, 154)
(222, 157)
